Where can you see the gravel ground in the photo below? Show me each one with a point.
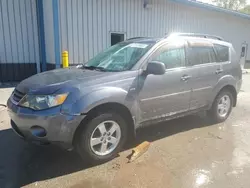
(187, 152)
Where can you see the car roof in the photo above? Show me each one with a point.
(194, 38)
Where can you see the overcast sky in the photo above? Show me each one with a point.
(209, 1)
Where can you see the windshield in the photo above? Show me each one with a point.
(120, 57)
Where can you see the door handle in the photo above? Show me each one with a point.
(185, 77)
(218, 71)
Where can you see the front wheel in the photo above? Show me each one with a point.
(222, 106)
(102, 138)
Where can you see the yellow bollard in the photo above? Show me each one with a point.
(65, 59)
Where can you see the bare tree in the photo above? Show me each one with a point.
(231, 4)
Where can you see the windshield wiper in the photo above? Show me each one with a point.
(94, 68)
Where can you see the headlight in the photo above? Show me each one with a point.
(41, 102)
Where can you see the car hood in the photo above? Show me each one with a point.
(51, 81)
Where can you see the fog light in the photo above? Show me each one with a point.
(38, 131)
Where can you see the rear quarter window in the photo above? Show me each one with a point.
(222, 53)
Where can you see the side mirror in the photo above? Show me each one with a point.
(156, 68)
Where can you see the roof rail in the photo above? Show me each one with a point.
(136, 38)
(196, 35)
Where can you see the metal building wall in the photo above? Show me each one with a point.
(19, 51)
(49, 33)
(85, 25)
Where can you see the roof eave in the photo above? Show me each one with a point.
(212, 7)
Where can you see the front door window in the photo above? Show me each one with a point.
(171, 57)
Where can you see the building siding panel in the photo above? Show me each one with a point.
(49, 31)
(23, 30)
(85, 26)
(35, 35)
(19, 53)
(2, 37)
(85, 31)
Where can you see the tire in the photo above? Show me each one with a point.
(91, 130)
(214, 113)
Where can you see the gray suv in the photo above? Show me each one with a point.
(95, 108)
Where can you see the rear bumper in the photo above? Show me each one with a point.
(45, 126)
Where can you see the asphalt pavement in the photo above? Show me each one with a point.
(187, 152)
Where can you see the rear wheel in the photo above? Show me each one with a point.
(102, 138)
(222, 106)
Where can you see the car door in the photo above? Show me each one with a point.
(167, 94)
(205, 71)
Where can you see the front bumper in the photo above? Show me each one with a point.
(59, 128)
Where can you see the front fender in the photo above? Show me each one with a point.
(101, 96)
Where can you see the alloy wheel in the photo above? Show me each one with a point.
(105, 138)
(224, 105)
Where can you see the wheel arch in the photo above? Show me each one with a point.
(231, 89)
(108, 107)
(225, 82)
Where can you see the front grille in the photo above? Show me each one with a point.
(17, 95)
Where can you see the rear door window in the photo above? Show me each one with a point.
(200, 55)
(222, 53)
